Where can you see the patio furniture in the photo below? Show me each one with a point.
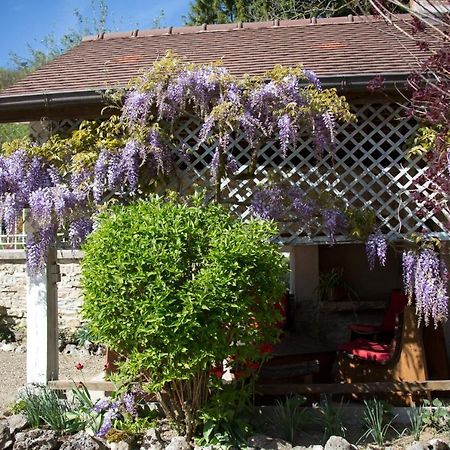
(385, 331)
(402, 359)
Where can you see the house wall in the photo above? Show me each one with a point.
(13, 289)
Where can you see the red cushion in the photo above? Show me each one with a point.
(368, 350)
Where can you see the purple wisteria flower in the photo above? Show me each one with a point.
(268, 203)
(425, 277)
(333, 222)
(286, 132)
(129, 402)
(137, 106)
(376, 248)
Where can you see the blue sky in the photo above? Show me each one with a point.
(25, 22)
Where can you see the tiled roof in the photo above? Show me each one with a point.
(347, 46)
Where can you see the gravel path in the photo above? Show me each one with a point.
(13, 372)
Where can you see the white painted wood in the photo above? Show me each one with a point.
(42, 324)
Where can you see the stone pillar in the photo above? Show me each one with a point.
(42, 323)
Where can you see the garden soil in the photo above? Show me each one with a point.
(13, 372)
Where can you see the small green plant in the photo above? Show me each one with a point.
(83, 334)
(329, 419)
(377, 420)
(416, 416)
(289, 416)
(42, 405)
(332, 286)
(435, 415)
(226, 418)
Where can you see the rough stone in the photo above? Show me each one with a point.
(122, 445)
(21, 349)
(16, 422)
(36, 440)
(178, 443)
(83, 441)
(436, 444)
(71, 349)
(9, 347)
(339, 443)
(264, 442)
(417, 446)
(6, 440)
(312, 447)
(152, 440)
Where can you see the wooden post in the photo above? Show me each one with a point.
(42, 323)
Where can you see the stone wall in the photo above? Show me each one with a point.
(13, 288)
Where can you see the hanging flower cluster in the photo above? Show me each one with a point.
(376, 249)
(318, 213)
(425, 278)
(29, 183)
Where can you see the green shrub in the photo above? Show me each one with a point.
(176, 288)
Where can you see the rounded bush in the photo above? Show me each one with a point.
(178, 287)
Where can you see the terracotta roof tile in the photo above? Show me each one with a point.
(331, 47)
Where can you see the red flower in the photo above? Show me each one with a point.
(79, 366)
(266, 348)
(217, 372)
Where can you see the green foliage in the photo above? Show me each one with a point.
(226, 418)
(377, 420)
(229, 11)
(416, 416)
(425, 141)
(289, 417)
(44, 406)
(435, 415)
(329, 419)
(12, 131)
(177, 288)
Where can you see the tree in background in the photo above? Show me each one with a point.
(228, 11)
(52, 47)
(204, 11)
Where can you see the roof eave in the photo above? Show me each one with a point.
(89, 103)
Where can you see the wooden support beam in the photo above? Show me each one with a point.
(42, 323)
(65, 385)
(354, 388)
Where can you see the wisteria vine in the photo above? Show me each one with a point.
(61, 185)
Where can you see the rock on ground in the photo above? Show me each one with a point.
(16, 422)
(152, 440)
(339, 443)
(36, 440)
(267, 443)
(178, 443)
(6, 440)
(83, 441)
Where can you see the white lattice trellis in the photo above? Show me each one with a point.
(368, 169)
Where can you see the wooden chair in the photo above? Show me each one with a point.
(405, 360)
